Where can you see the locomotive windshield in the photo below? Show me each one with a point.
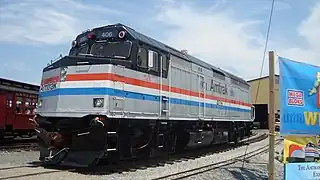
(111, 49)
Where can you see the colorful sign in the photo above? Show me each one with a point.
(299, 171)
(301, 149)
(299, 98)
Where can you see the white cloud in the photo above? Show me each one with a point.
(48, 22)
(309, 29)
(217, 37)
(224, 40)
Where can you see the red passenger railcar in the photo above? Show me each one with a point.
(17, 104)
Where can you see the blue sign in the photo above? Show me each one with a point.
(299, 171)
(299, 98)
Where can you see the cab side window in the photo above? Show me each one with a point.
(142, 59)
(164, 62)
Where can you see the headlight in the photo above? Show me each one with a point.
(63, 78)
(63, 74)
(98, 102)
(39, 104)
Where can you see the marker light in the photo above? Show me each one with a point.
(90, 36)
(74, 43)
(122, 34)
(39, 104)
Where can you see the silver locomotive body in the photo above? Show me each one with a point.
(122, 92)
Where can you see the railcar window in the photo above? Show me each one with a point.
(142, 58)
(9, 103)
(27, 102)
(111, 49)
(34, 101)
(19, 102)
(27, 105)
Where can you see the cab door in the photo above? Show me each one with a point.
(117, 101)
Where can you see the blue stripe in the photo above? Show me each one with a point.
(132, 95)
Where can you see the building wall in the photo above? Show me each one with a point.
(263, 95)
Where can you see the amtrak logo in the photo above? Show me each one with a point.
(48, 87)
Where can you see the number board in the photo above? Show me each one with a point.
(106, 33)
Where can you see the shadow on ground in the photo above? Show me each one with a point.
(247, 173)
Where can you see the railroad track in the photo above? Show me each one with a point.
(206, 168)
(24, 146)
(31, 145)
(143, 164)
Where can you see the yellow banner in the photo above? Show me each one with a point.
(301, 149)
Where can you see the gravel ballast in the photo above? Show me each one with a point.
(14, 165)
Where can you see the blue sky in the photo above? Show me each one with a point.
(227, 33)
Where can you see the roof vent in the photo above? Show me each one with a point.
(184, 51)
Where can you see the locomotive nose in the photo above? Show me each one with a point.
(67, 92)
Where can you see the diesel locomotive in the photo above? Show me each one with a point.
(120, 94)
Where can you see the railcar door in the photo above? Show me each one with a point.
(20, 119)
(117, 101)
(10, 111)
(202, 104)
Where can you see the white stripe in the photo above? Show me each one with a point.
(139, 89)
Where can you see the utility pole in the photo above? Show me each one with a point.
(271, 117)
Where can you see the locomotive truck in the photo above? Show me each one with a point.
(120, 94)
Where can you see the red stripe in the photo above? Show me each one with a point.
(151, 85)
(53, 79)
